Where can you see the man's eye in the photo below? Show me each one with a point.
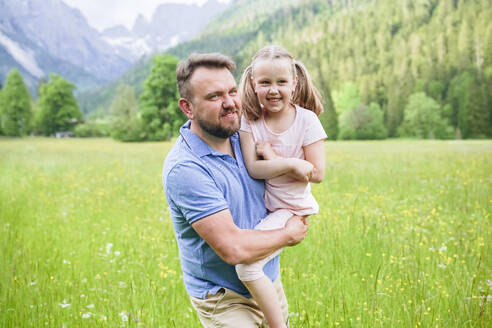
(212, 97)
(233, 92)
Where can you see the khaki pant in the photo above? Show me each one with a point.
(230, 309)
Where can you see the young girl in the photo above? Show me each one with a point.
(282, 142)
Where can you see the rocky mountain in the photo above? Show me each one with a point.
(170, 24)
(40, 37)
(44, 36)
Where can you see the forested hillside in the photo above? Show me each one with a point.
(370, 56)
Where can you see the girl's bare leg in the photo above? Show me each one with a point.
(266, 296)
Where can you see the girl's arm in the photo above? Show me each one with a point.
(315, 154)
(271, 168)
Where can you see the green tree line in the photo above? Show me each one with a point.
(154, 116)
(55, 110)
(420, 68)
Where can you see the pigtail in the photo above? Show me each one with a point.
(306, 95)
(249, 100)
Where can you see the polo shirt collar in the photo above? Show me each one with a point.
(197, 145)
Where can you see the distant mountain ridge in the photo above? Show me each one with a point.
(40, 37)
(170, 24)
(47, 36)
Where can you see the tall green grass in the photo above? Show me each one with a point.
(402, 238)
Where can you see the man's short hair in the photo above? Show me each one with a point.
(185, 69)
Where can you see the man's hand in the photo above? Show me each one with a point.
(296, 227)
(264, 149)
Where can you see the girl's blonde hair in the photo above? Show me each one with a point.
(305, 94)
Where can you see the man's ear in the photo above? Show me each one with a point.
(185, 105)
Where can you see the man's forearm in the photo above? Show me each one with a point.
(253, 245)
(236, 245)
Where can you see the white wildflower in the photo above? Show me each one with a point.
(108, 247)
(86, 315)
(124, 316)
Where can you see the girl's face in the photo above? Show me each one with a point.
(274, 83)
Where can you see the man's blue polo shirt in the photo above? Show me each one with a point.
(199, 181)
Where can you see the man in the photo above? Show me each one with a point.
(214, 203)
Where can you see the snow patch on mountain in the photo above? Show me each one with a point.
(174, 41)
(25, 57)
(137, 47)
(171, 23)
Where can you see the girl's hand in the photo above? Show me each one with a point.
(301, 170)
(264, 150)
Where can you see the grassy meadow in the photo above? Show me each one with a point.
(403, 238)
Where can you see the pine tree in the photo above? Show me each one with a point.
(487, 60)
(457, 96)
(477, 114)
(58, 109)
(16, 115)
(329, 118)
(465, 45)
(394, 110)
(1, 108)
(488, 74)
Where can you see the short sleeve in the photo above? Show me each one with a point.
(191, 190)
(245, 126)
(313, 130)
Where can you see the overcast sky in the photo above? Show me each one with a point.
(106, 13)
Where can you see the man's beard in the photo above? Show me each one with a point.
(216, 130)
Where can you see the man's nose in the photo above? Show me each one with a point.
(229, 102)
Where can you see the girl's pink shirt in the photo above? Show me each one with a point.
(283, 192)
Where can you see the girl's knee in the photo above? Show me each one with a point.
(249, 272)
